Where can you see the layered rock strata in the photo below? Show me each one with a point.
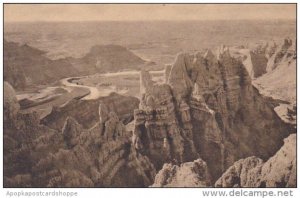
(208, 108)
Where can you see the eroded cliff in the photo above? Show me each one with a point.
(208, 108)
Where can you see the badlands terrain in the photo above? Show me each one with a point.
(183, 116)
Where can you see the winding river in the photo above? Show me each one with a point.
(94, 92)
(103, 91)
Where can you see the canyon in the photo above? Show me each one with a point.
(208, 123)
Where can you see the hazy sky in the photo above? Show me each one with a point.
(94, 12)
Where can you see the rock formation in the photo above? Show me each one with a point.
(285, 50)
(262, 59)
(278, 171)
(20, 131)
(156, 128)
(207, 108)
(188, 174)
(37, 156)
(280, 80)
(93, 159)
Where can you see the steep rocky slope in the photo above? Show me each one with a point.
(278, 171)
(37, 156)
(280, 80)
(261, 59)
(207, 108)
(272, 66)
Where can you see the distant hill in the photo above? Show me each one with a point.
(108, 58)
(25, 65)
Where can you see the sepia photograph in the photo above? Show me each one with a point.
(149, 95)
